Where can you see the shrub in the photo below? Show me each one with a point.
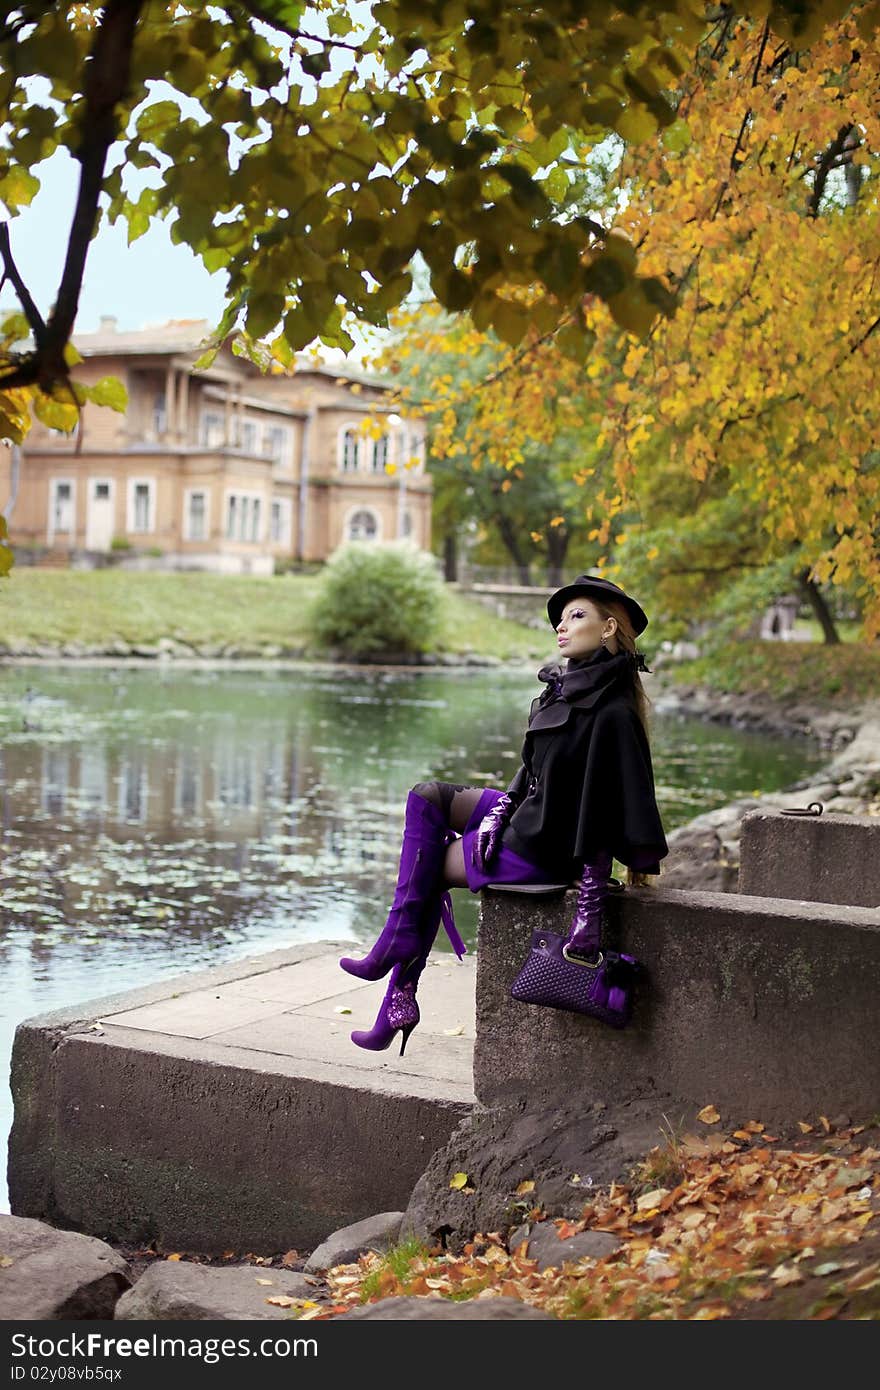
(378, 601)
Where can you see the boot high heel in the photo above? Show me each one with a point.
(398, 1012)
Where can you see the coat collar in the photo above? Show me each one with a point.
(579, 685)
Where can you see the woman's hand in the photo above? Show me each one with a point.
(488, 835)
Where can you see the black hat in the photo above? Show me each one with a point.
(594, 587)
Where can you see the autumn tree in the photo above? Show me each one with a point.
(309, 156)
(523, 501)
(738, 452)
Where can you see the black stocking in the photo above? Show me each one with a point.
(455, 800)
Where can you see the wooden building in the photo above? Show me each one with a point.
(223, 468)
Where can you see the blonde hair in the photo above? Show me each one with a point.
(627, 639)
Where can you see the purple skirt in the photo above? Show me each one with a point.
(506, 867)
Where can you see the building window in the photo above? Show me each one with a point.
(101, 492)
(380, 453)
(195, 516)
(249, 436)
(276, 444)
(141, 505)
(363, 525)
(61, 509)
(160, 415)
(350, 450)
(279, 522)
(406, 525)
(243, 516)
(213, 430)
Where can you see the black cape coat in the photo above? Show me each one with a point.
(586, 783)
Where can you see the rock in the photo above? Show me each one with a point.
(146, 650)
(270, 651)
(177, 1290)
(696, 861)
(345, 1245)
(118, 648)
(480, 1309)
(563, 1150)
(56, 1275)
(849, 805)
(545, 1246)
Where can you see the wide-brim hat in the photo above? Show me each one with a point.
(593, 587)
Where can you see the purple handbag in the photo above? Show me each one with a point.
(601, 988)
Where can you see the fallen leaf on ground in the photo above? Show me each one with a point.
(709, 1115)
(458, 1181)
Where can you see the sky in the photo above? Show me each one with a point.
(149, 282)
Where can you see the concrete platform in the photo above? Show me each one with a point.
(228, 1109)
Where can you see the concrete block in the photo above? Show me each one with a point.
(192, 1114)
(757, 1004)
(832, 858)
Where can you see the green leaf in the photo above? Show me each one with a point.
(263, 312)
(109, 391)
(510, 321)
(18, 187)
(58, 415)
(157, 118)
(677, 136)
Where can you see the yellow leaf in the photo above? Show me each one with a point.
(804, 1129)
(709, 1115)
(174, 1257)
(524, 1187)
(458, 1181)
(267, 1282)
(282, 1301)
(786, 1274)
(652, 1198)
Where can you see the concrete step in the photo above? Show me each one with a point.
(228, 1109)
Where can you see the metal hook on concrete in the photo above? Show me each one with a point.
(815, 808)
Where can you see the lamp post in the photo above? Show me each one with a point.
(399, 437)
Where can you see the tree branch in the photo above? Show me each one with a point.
(11, 272)
(105, 83)
(824, 167)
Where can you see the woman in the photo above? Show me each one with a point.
(583, 796)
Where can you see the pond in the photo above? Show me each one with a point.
(159, 820)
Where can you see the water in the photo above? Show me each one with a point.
(156, 821)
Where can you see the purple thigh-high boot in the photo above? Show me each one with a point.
(402, 939)
(585, 930)
(399, 1010)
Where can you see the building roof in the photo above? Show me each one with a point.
(189, 336)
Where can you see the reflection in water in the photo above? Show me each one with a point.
(155, 821)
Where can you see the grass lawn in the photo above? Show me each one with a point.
(792, 671)
(96, 607)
